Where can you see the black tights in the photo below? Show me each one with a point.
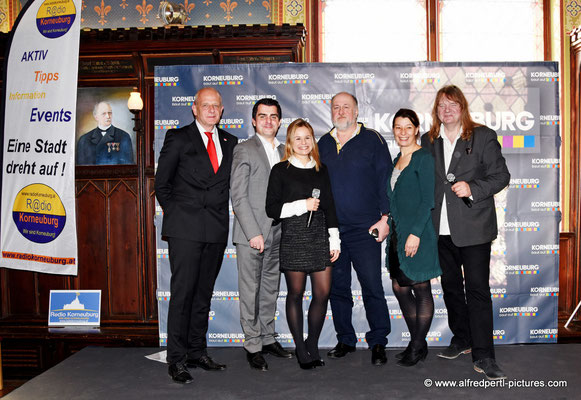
(308, 349)
(417, 306)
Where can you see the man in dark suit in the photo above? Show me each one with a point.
(470, 170)
(257, 239)
(192, 187)
(106, 144)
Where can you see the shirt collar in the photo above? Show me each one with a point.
(337, 143)
(203, 131)
(267, 144)
(443, 132)
(296, 163)
(355, 132)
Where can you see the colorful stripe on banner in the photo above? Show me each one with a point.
(517, 141)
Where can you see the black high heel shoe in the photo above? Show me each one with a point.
(414, 356)
(305, 365)
(314, 353)
(404, 353)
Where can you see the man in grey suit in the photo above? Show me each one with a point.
(257, 240)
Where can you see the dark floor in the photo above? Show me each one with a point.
(125, 373)
(10, 385)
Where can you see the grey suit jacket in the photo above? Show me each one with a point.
(480, 163)
(248, 183)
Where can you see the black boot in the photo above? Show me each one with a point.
(414, 356)
(404, 353)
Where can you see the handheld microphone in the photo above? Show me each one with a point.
(316, 194)
(452, 179)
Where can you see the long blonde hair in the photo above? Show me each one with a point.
(453, 93)
(288, 149)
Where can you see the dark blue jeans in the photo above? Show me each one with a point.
(359, 248)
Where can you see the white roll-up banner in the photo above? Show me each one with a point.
(38, 169)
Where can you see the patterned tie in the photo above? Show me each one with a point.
(212, 152)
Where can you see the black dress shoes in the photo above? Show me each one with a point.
(341, 350)
(490, 368)
(378, 356)
(256, 361)
(205, 362)
(453, 351)
(179, 373)
(318, 363)
(414, 356)
(276, 350)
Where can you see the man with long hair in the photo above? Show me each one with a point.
(470, 170)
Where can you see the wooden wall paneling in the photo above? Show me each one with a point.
(26, 294)
(22, 294)
(432, 30)
(22, 360)
(125, 292)
(547, 42)
(4, 293)
(93, 240)
(151, 253)
(258, 56)
(46, 283)
(568, 275)
(573, 291)
(574, 137)
(575, 171)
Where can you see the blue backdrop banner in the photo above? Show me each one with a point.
(519, 101)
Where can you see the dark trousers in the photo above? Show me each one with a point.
(359, 248)
(468, 297)
(194, 269)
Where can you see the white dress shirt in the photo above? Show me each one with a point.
(103, 129)
(215, 138)
(271, 152)
(448, 151)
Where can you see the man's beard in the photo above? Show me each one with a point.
(341, 126)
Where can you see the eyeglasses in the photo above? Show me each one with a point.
(450, 106)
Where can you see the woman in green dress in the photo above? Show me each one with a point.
(412, 251)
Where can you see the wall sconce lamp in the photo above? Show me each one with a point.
(135, 105)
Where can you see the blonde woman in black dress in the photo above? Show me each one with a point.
(310, 235)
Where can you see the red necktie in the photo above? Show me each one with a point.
(212, 152)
